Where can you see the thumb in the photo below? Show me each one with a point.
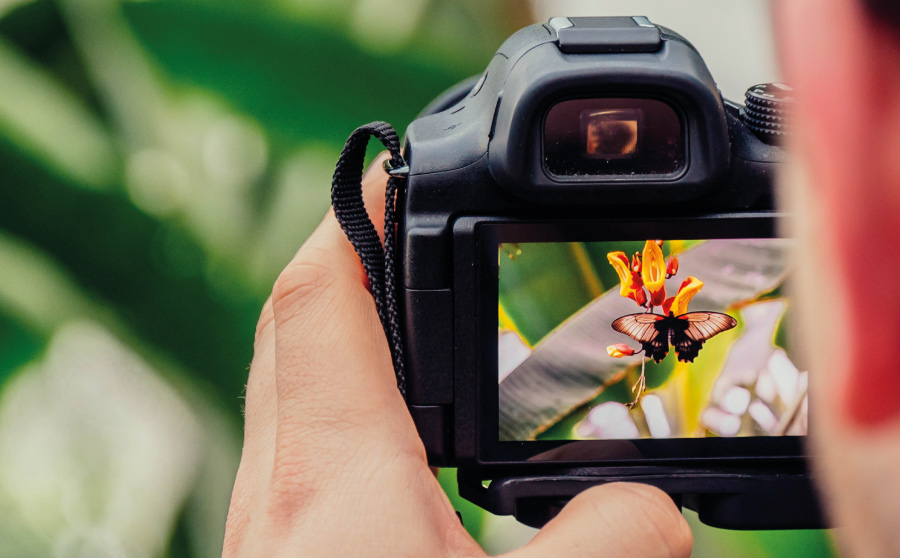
(615, 520)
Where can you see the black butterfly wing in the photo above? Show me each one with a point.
(650, 330)
(694, 329)
(640, 327)
(706, 325)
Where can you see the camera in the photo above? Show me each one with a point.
(592, 280)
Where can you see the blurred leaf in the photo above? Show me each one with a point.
(19, 345)
(207, 507)
(303, 81)
(114, 256)
(710, 542)
(40, 295)
(752, 350)
(54, 126)
(472, 515)
(96, 451)
(564, 429)
(7, 5)
(693, 382)
(37, 292)
(537, 301)
(782, 332)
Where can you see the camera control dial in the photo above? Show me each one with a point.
(767, 111)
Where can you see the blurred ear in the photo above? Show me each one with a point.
(845, 69)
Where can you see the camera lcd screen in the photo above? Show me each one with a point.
(646, 339)
(614, 137)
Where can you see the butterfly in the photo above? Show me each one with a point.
(686, 333)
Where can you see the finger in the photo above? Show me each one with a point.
(260, 401)
(336, 390)
(342, 436)
(257, 456)
(260, 409)
(614, 520)
(260, 404)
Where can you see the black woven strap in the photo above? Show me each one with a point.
(378, 260)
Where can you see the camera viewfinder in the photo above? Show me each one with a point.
(613, 137)
(611, 134)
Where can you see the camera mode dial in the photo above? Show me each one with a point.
(767, 111)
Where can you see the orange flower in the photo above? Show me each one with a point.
(678, 304)
(653, 272)
(631, 284)
(672, 268)
(640, 296)
(619, 350)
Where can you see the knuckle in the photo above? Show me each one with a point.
(301, 472)
(291, 489)
(306, 456)
(303, 281)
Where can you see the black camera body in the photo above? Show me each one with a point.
(579, 130)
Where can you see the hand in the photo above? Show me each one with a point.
(332, 465)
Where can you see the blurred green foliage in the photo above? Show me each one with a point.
(160, 161)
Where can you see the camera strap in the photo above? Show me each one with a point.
(350, 210)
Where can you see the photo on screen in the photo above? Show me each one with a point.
(647, 339)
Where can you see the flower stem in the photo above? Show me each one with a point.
(640, 386)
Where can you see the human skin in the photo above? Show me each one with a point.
(845, 192)
(332, 464)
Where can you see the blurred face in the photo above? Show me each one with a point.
(845, 187)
